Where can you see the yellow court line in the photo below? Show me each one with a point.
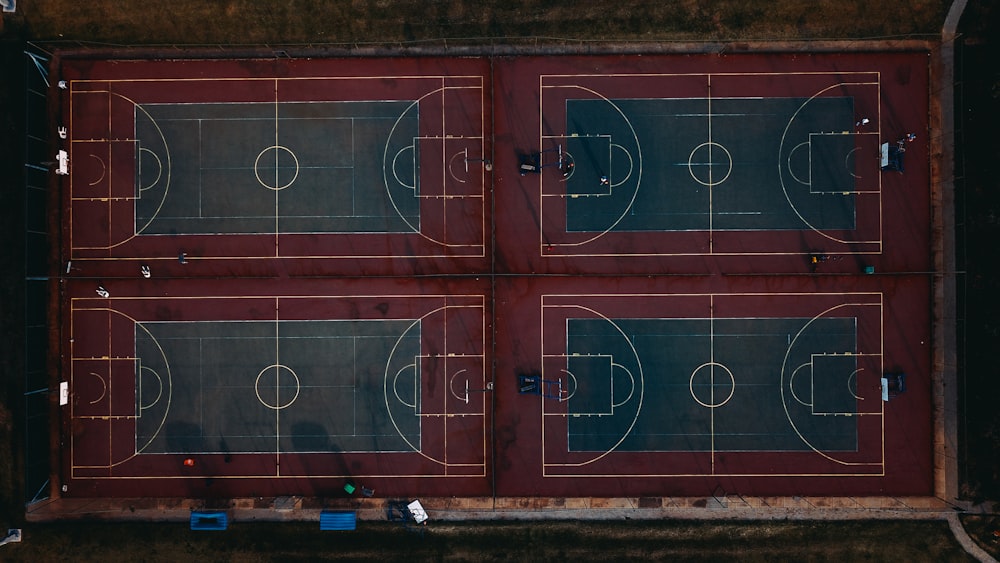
(878, 122)
(711, 193)
(266, 476)
(108, 171)
(881, 467)
(873, 294)
(881, 352)
(285, 257)
(289, 79)
(449, 137)
(442, 88)
(639, 400)
(444, 323)
(784, 189)
(418, 449)
(111, 175)
(711, 340)
(440, 307)
(541, 184)
(277, 386)
(111, 348)
(277, 212)
(444, 205)
(91, 358)
(635, 192)
(746, 253)
(470, 296)
(728, 74)
(118, 198)
(877, 303)
(838, 76)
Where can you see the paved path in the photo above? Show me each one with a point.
(729, 508)
(963, 538)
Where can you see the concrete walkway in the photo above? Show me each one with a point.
(963, 538)
(728, 508)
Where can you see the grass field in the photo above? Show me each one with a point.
(500, 541)
(493, 21)
(984, 529)
(502, 22)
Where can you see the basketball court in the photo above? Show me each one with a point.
(342, 168)
(343, 385)
(827, 178)
(569, 276)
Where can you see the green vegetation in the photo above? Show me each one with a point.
(985, 530)
(242, 22)
(509, 541)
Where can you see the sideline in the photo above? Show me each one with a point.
(944, 308)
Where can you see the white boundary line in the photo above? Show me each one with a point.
(455, 82)
(857, 299)
(456, 469)
(555, 81)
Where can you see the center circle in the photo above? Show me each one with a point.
(711, 381)
(276, 167)
(277, 387)
(705, 159)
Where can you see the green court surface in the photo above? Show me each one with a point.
(711, 164)
(201, 386)
(695, 385)
(353, 165)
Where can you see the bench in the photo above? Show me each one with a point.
(337, 520)
(204, 520)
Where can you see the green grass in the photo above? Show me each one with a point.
(495, 21)
(514, 541)
(985, 531)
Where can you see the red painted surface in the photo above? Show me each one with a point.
(101, 453)
(502, 262)
(899, 217)
(905, 436)
(453, 103)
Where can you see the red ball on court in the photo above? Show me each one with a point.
(189, 462)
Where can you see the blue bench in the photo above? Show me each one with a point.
(337, 520)
(204, 520)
